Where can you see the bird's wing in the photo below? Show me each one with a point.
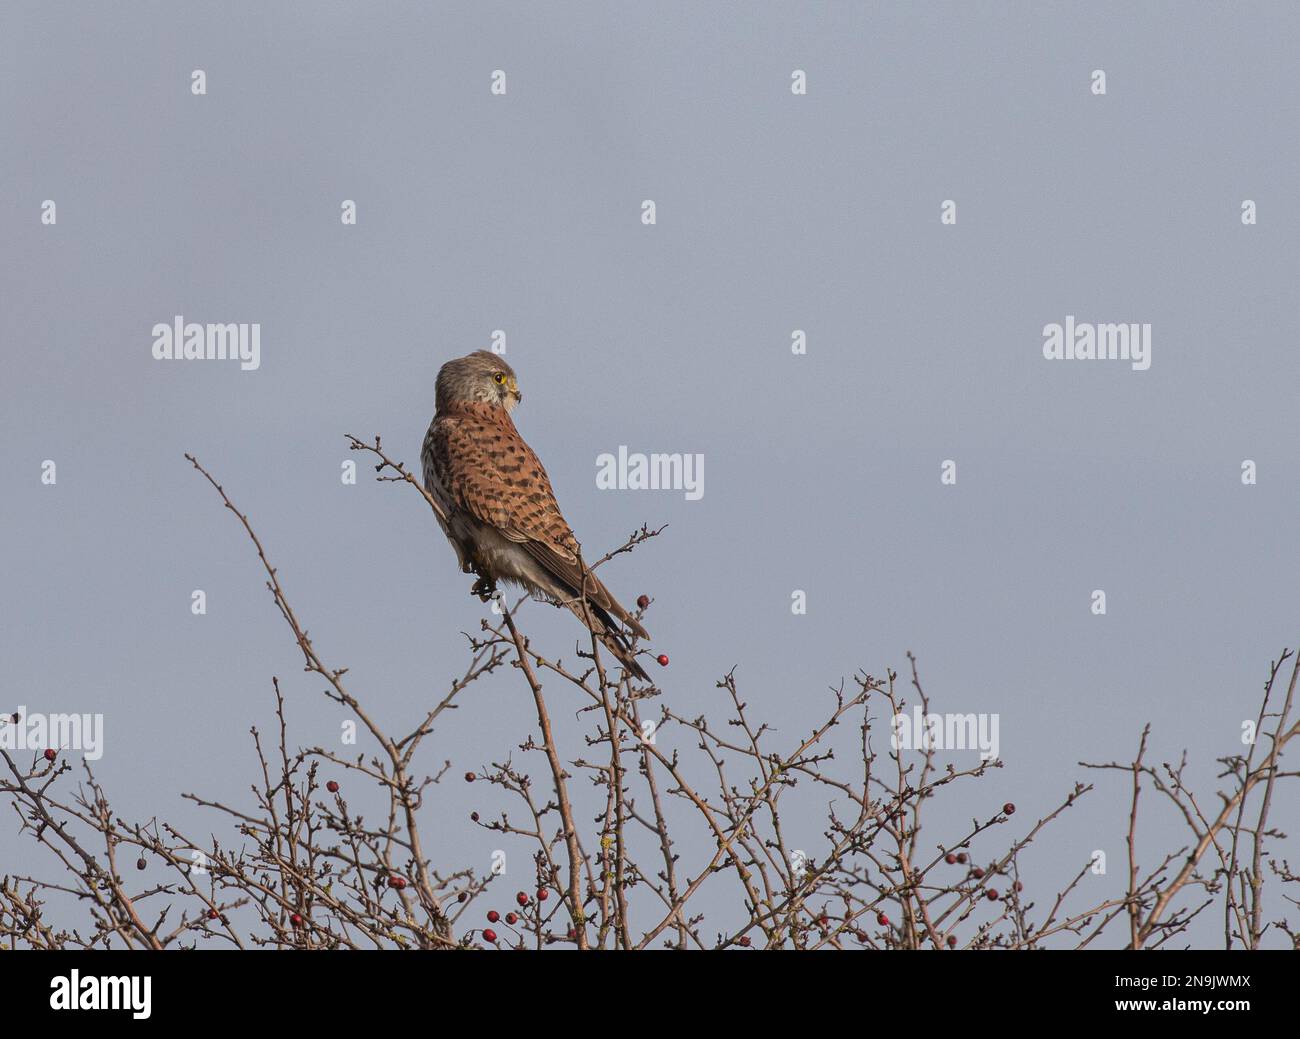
(488, 470)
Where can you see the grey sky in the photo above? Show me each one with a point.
(774, 213)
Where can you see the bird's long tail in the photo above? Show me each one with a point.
(611, 636)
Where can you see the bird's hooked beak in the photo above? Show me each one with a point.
(513, 387)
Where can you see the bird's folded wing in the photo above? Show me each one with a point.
(490, 471)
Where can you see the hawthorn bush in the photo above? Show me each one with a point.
(300, 867)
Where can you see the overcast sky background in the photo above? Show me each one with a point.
(775, 213)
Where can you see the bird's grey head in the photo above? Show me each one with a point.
(483, 377)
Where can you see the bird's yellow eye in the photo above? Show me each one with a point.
(499, 378)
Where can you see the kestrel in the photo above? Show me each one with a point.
(500, 512)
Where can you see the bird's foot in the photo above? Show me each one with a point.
(485, 588)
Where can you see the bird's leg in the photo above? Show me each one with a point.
(485, 588)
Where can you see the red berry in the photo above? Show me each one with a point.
(397, 882)
(463, 896)
(744, 940)
(522, 898)
(489, 935)
(663, 659)
(950, 858)
(1020, 886)
(1009, 808)
(493, 916)
(296, 920)
(473, 816)
(977, 873)
(823, 920)
(469, 777)
(991, 894)
(883, 920)
(332, 787)
(140, 863)
(542, 894)
(952, 941)
(961, 857)
(511, 919)
(51, 753)
(213, 914)
(642, 601)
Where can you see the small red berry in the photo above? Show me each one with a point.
(463, 896)
(296, 920)
(952, 941)
(744, 940)
(522, 898)
(332, 787)
(511, 919)
(663, 659)
(991, 894)
(950, 858)
(977, 873)
(883, 920)
(1009, 808)
(642, 601)
(961, 857)
(140, 863)
(469, 777)
(51, 753)
(542, 894)
(1020, 886)
(489, 935)
(493, 916)
(213, 914)
(397, 882)
(473, 816)
(823, 920)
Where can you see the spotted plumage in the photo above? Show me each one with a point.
(501, 514)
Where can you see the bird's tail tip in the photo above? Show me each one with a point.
(623, 653)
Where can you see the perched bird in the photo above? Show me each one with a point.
(500, 512)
